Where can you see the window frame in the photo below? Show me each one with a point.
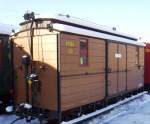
(87, 54)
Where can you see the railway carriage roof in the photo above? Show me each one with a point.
(78, 26)
(6, 29)
(91, 25)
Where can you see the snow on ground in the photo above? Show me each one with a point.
(136, 112)
(139, 116)
(8, 119)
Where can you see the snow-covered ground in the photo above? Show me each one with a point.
(138, 116)
(135, 112)
(8, 119)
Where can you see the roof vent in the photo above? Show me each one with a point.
(68, 16)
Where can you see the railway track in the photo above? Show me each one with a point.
(97, 113)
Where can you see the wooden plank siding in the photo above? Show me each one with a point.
(82, 85)
(122, 82)
(44, 55)
(134, 74)
(112, 61)
(141, 66)
(132, 57)
(141, 56)
(117, 66)
(122, 68)
(112, 84)
(122, 60)
(80, 90)
(20, 48)
(113, 68)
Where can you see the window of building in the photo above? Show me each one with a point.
(83, 52)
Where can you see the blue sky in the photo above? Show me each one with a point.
(129, 16)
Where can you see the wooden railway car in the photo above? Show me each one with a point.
(147, 66)
(5, 67)
(62, 63)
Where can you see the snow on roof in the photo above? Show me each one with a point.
(6, 29)
(78, 26)
(78, 21)
(81, 31)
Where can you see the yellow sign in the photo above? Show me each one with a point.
(70, 43)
